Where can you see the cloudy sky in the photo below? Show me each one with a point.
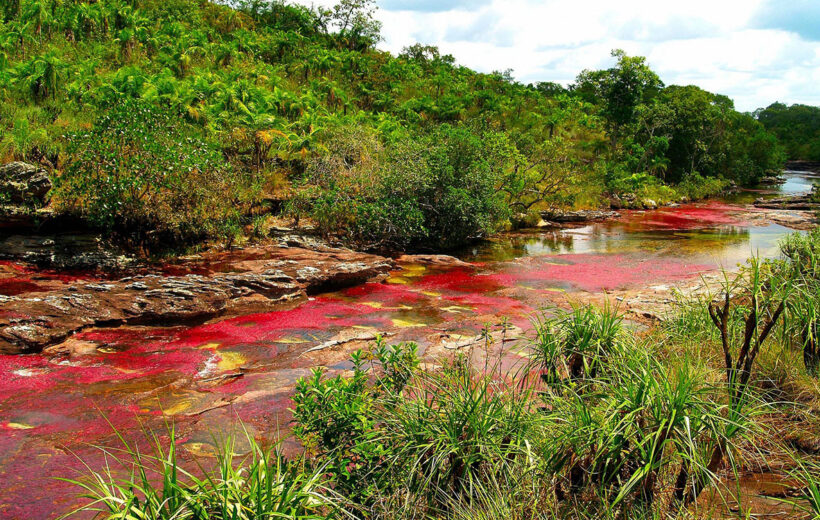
(755, 51)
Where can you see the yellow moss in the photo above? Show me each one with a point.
(230, 361)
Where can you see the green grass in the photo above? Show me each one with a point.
(258, 484)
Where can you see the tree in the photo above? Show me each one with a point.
(12, 10)
(797, 127)
(619, 91)
(42, 76)
(354, 22)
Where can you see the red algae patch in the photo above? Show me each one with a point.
(601, 272)
(684, 217)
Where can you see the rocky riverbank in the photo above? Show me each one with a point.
(804, 166)
(250, 280)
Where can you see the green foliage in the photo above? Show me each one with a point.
(801, 266)
(267, 85)
(337, 417)
(457, 429)
(260, 484)
(438, 189)
(797, 127)
(620, 90)
(687, 131)
(575, 345)
(136, 169)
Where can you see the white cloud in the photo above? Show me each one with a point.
(733, 47)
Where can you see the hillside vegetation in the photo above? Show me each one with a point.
(178, 120)
(797, 127)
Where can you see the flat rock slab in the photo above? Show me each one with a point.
(800, 202)
(29, 322)
(578, 216)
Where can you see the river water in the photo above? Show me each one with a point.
(204, 378)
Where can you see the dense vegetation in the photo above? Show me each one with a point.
(600, 422)
(226, 113)
(797, 127)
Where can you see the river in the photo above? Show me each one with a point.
(206, 377)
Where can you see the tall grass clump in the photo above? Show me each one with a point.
(801, 263)
(458, 429)
(260, 484)
(574, 344)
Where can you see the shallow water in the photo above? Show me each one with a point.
(206, 376)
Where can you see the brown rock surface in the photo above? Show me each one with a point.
(198, 289)
(433, 260)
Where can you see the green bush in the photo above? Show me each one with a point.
(337, 418)
(432, 190)
(141, 171)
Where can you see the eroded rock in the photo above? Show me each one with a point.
(799, 202)
(23, 183)
(433, 260)
(30, 322)
(578, 216)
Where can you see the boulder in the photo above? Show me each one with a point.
(24, 184)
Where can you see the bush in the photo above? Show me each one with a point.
(434, 190)
(140, 171)
(337, 418)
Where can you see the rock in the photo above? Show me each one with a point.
(65, 251)
(649, 204)
(433, 260)
(772, 180)
(33, 321)
(803, 166)
(799, 202)
(578, 216)
(24, 184)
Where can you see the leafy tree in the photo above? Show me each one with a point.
(797, 127)
(620, 90)
(11, 10)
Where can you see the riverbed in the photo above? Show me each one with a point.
(206, 377)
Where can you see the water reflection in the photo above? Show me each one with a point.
(710, 233)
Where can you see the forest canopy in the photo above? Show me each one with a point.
(273, 101)
(797, 127)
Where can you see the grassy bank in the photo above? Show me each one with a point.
(603, 421)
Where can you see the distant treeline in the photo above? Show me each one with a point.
(797, 127)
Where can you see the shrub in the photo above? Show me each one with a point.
(457, 430)
(337, 418)
(433, 190)
(141, 171)
(574, 345)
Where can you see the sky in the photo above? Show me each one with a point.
(754, 51)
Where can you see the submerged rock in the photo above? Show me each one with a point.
(30, 322)
(433, 260)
